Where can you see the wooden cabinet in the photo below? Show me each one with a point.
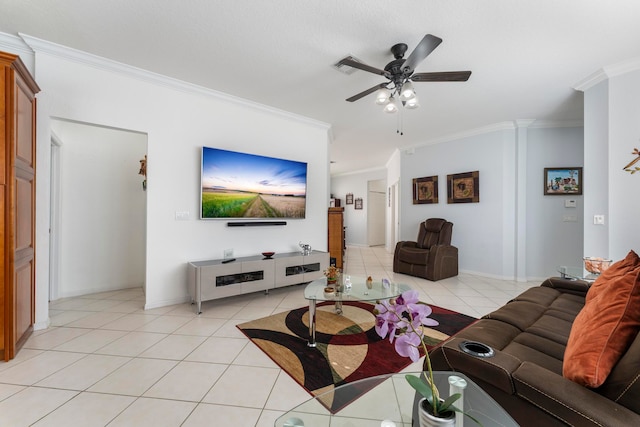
(215, 279)
(336, 242)
(17, 204)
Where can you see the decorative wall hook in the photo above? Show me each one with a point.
(143, 171)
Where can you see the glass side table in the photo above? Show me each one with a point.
(576, 273)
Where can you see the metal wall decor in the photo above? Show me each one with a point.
(629, 168)
(425, 190)
(463, 187)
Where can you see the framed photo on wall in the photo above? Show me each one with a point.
(463, 187)
(425, 190)
(562, 181)
(358, 203)
(349, 199)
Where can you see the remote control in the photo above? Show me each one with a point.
(228, 260)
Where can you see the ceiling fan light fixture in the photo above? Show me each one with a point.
(407, 92)
(382, 96)
(392, 106)
(412, 103)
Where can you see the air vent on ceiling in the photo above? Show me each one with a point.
(345, 68)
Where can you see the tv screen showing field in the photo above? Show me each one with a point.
(241, 185)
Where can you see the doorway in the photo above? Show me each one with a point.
(98, 206)
(376, 212)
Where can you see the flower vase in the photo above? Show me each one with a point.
(331, 281)
(427, 419)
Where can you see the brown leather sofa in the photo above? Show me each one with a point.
(431, 256)
(528, 337)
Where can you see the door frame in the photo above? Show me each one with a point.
(54, 218)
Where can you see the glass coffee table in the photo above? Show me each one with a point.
(576, 273)
(359, 290)
(391, 399)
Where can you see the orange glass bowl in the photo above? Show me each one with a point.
(596, 265)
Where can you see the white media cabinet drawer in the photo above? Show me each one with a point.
(214, 279)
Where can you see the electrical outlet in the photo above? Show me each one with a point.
(598, 219)
(228, 253)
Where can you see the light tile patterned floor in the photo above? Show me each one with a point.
(107, 362)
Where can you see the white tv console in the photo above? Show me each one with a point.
(215, 279)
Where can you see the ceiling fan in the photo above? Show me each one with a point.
(400, 75)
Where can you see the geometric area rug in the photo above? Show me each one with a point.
(348, 347)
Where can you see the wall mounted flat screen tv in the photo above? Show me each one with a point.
(241, 185)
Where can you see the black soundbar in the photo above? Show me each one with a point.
(254, 223)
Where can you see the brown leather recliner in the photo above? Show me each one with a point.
(431, 256)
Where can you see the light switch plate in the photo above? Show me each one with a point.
(182, 215)
(598, 219)
(570, 203)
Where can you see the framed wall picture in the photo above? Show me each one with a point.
(425, 190)
(562, 181)
(358, 203)
(463, 187)
(349, 199)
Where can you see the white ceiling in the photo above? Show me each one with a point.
(525, 56)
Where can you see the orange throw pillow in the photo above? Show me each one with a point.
(604, 329)
(614, 272)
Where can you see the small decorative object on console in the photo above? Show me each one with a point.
(596, 265)
(268, 255)
(305, 247)
(331, 273)
(369, 282)
(329, 291)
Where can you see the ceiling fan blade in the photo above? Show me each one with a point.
(366, 92)
(364, 67)
(422, 50)
(442, 76)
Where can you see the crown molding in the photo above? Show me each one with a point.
(538, 124)
(607, 72)
(85, 58)
(523, 123)
(495, 127)
(361, 171)
(15, 44)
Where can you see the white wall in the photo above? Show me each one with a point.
(596, 164)
(477, 227)
(612, 131)
(553, 147)
(179, 119)
(624, 188)
(355, 220)
(487, 233)
(102, 209)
